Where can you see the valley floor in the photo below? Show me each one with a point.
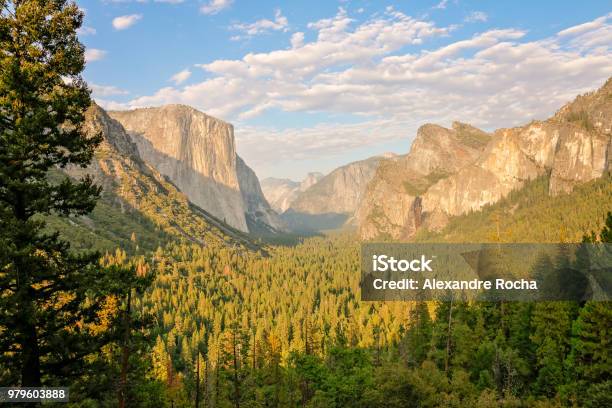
(286, 327)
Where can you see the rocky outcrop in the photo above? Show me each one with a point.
(393, 200)
(281, 193)
(132, 186)
(339, 192)
(195, 151)
(453, 171)
(116, 158)
(573, 147)
(260, 216)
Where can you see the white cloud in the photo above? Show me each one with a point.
(261, 146)
(94, 54)
(475, 16)
(215, 6)
(441, 5)
(181, 77)
(106, 90)
(581, 28)
(593, 35)
(262, 26)
(85, 30)
(124, 22)
(371, 72)
(170, 1)
(111, 105)
(297, 39)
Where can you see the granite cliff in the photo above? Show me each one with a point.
(339, 192)
(281, 193)
(453, 171)
(198, 154)
(138, 198)
(260, 217)
(392, 203)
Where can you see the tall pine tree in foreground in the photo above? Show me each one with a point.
(48, 295)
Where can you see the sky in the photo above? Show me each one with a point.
(312, 85)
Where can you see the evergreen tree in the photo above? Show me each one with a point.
(418, 337)
(590, 360)
(47, 294)
(552, 323)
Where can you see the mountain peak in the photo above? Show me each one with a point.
(450, 172)
(114, 136)
(388, 155)
(591, 111)
(177, 109)
(311, 179)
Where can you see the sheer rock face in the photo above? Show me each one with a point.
(584, 150)
(259, 214)
(452, 174)
(195, 151)
(132, 185)
(392, 206)
(281, 193)
(198, 154)
(339, 192)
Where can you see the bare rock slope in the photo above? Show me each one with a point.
(453, 171)
(281, 193)
(260, 217)
(339, 192)
(198, 154)
(132, 186)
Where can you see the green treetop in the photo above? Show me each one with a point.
(47, 295)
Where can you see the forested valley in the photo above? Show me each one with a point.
(234, 329)
(135, 297)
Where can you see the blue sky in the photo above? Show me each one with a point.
(311, 85)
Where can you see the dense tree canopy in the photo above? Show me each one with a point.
(51, 299)
(287, 330)
(191, 324)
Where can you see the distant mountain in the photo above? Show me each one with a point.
(339, 192)
(281, 193)
(322, 202)
(139, 206)
(198, 154)
(449, 172)
(391, 205)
